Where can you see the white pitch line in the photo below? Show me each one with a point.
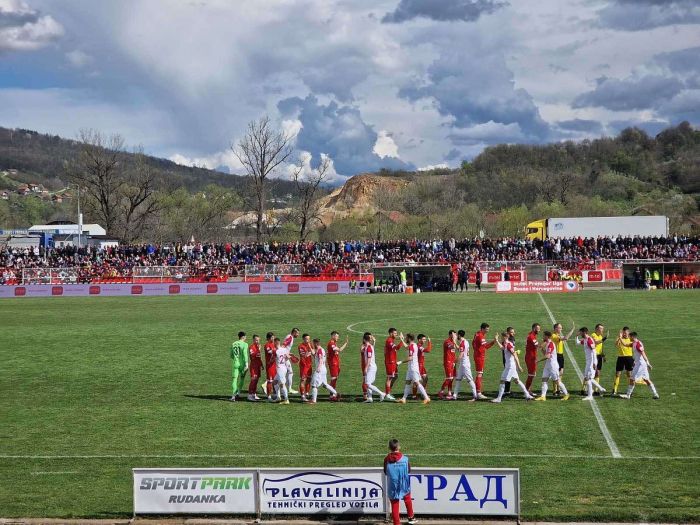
(596, 411)
(272, 456)
(57, 473)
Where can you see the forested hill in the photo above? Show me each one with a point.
(40, 159)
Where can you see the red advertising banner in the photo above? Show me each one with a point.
(537, 287)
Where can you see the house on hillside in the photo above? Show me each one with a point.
(23, 189)
(5, 195)
(57, 198)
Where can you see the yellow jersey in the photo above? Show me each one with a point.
(598, 343)
(624, 351)
(559, 341)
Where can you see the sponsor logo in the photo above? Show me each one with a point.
(571, 285)
(136, 289)
(292, 287)
(494, 277)
(595, 276)
(212, 288)
(558, 226)
(197, 483)
(254, 288)
(321, 491)
(174, 289)
(94, 290)
(20, 291)
(57, 290)
(332, 287)
(516, 276)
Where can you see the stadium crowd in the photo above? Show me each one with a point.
(210, 261)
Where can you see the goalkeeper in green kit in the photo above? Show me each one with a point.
(239, 356)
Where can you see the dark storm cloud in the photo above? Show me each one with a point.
(339, 132)
(581, 125)
(476, 88)
(631, 93)
(638, 15)
(442, 10)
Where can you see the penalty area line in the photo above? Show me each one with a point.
(596, 410)
(272, 456)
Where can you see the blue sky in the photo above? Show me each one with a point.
(370, 83)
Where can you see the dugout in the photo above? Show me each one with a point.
(429, 278)
(670, 275)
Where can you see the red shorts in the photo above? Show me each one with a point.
(271, 371)
(305, 370)
(479, 361)
(334, 369)
(422, 370)
(391, 369)
(449, 369)
(531, 362)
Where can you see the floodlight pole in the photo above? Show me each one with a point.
(80, 220)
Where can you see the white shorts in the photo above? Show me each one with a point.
(281, 374)
(640, 371)
(371, 376)
(464, 372)
(550, 372)
(413, 376)
(589, 371)
(509, 374)
(319, 378)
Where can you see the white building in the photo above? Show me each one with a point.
(64, 228)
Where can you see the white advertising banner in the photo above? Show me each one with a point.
(328, 491)
(194, 491)
(537, 287)
(465, 492)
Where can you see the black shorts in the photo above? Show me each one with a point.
(624, 363)
(599, 364)
(560, 360)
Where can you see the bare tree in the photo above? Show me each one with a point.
(98, 171)
(120, 190)
(261, 151)
(307, 183)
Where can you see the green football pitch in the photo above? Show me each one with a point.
(95, 386)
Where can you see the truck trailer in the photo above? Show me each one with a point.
(567, 227)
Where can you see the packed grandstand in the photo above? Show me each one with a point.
(204, 262)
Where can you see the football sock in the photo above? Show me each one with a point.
(545, 385)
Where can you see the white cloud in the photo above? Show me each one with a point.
(385, 145)
(78, 59)
(25, 29)
(433, 167)
(225, 158)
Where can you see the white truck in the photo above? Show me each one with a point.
(566, 227)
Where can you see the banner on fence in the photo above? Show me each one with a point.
(334, 491)
(537, 287)
(465, 492)
(194, 491)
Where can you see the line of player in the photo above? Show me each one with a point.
(319, 366)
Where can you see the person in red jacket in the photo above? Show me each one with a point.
(480, 345)
(305, 366)
(531, 345)
(270, 363)
(255, 368)
(390, 348)
(449, 346)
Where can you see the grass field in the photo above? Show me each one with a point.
(93, 387)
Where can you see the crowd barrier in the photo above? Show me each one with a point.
(153, 289)
(323, 491)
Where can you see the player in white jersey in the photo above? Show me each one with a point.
(551, 369)
(589, 372)
(289, 344)
(413, 373)
(464, 368)
(320, 374)
(640, 372)
(370, 368)
(282, 361)
(512, 365)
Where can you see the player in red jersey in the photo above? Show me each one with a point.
(305, 366)
(390, 347)
(425, 345)
(479, 345)
(448, 363)
(255, 368)
(270, 363)
(333, 351)
(531, 345)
